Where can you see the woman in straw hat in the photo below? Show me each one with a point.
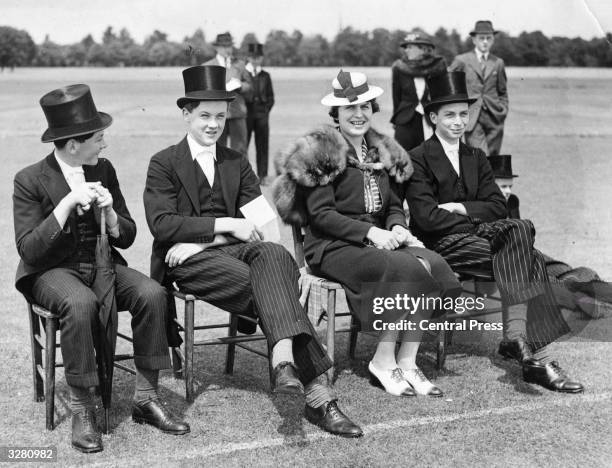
(335, 181)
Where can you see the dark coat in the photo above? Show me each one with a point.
(404, 94)
(434, 182)
(172, 203)
(489, 89)
(261, 99)
(41, 242)
(317, 189)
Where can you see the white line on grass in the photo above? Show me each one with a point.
(224, 449)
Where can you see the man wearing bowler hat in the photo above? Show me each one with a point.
(486, 81)
(56, 207)
(258, 109)
(238, 81)
(193, 195)
(457, 210)
(576, 288)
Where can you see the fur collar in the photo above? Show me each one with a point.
(318, 157)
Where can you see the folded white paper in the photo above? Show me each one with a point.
(262, 215)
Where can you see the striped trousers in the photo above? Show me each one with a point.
(505, 249)
(67, 292)
(259, 279)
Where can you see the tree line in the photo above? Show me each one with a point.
(350, 47)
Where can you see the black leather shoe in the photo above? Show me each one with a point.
(154, 412)
(516, 349)
(85, 435)
(329, 418)
(285, 379)
(550, 376)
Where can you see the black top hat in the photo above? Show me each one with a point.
(204, 83)
(224, 39)
(447, 88)
(417, 38)
(256, 49)
(502, 166)
(483, 27)
(70, 112)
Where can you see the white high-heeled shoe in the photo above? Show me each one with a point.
(420, 383)
(391, 380)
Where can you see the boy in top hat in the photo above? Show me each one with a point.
(574, 287)
(56, 208)
(486, 81)
(258, 109)
(193, 195)
(457, 210)
(409, 88)
(239, 81)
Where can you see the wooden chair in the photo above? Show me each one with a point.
(44, 322)
(476, 277)
(330, 288)
(183, 360)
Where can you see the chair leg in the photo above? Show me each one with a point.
(231, 348)
(177, 363)
(353, 336)
(188, 369)
(50, 329)
(38, 383)
(270, 369)
(441, 350)
(331, 331)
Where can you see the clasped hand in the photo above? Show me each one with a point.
(85, 194)
(391, 240)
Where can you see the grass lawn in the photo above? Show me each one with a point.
(559, 132)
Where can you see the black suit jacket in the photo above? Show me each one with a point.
(41, 242)
(433, 183)
(262, 98)
(172, 203)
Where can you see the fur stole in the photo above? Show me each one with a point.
(427, 66)
(318, 157)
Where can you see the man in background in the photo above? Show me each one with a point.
(486, 81)
(238, 81)
(258, 109)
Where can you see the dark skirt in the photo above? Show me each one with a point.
(368, 272)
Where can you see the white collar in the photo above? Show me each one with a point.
(481, 56)
(65, 168)
(223, 60)
(253, 70)
(197, 148)
(448, 146)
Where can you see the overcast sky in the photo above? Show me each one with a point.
(68, 21)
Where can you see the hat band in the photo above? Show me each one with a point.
(352, 94)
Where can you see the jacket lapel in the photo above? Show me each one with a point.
(475, 64)
(53, 181)
(439, 163)
(469, 170)
(186, 174)
(229, 176)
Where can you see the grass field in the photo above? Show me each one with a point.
(559, 132)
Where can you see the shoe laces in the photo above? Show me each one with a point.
(418, 373)
(397, 375)
(332, 409)
(559, 372)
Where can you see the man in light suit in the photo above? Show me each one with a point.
(486, 82)
(239, 81)
(193, 195)
(457, 210)
(56, 207)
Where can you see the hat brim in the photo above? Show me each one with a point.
(223, 44)
(504, 176)
(211, 95)
(425, 43)
(103, 121)
(449, 100)
(473, 33)
(372, 93)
